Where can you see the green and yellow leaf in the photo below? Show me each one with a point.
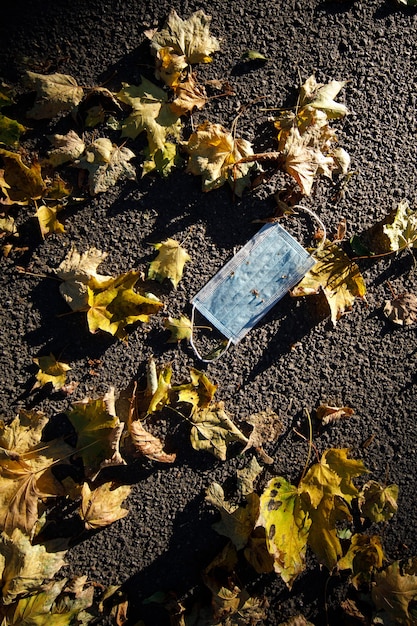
(377, 502)
(180, 329)
(51, 371)
(19, 182)
(169, 263)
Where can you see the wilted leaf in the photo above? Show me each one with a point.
(76, 270)
(24, 566)
(402, 232)
(113, 304)
(7, 225)
(55, 93)
(287, 524)
(189, 38)
(267, 427)
(328, 414)
(200, 392)
(67, 147)
(103, 505)
(170, 66)
(26, 474)
(169, 263)
(148, 445)
(179, 328)
(321, 96)
(212, 430)
(365, 556)
(98, 433)
(338, 276)
(51, 371)
(214, 152)
(188, 96)
(253, 55)
(237, 522)
(10, 131)
(107, 164)
(20, 183)
(48, 220)
(395, 591)
(378, 503)
(151, 113)
(402, 309)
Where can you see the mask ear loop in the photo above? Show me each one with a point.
(319, 222)
(192, 344)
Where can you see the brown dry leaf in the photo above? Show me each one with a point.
(106, 163)
(67, 147)
(329, 414)
(26, 475)
(20, 183)
(364, 557)
(402, 309)
(188, 96)
(217, 155)
(339, 278)
(50, 371)
(378, 502)
(395, 591)
(267, 427)
(55, 93)
(148, 445)
(103, 506)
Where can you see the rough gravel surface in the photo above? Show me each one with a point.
(295, 358)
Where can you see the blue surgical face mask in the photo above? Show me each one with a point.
(249, 285)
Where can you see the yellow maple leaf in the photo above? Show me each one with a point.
(169, 263)
(50, 371)
(188, 96)
(113, 304)
(339, 278)
(217, 156)
(102, 506)
(199, 392)
(26, 472)
(180, 328)
(48, 220)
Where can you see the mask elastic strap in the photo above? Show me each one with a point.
(319, 222)
(199, 356)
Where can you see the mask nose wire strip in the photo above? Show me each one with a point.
(319, 222)
(216, 358)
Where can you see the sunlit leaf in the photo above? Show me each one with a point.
(189, 38)
(98, 433)
(267, 427)
(339, 278)
(24, 566)
(148, 445)
(287, 525)
(67, 147)
(180, 329)
(378, 503)
(170, 66)
(48, 220)
(402, 309)
(55, 93)
(113, 304)
(212, 430)
(106, 164)
(328, 414)
(51, 371)
(26, 475)
(199, 392)
(402, 232)
(321, 96)
(169, 263)
(253, 55)
(215, 154)
(103, 505)
(189, 95)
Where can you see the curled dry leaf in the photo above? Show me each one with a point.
(169, 263)
(188, 96)
(106, 164)
(402, 309)
(328, 414)
(76, 270)
(50, 371)
(102, 506)
(67, 147)
(365, 556)
(148, 445)
(218, 157)
(267, 427)
(378, 502)
(55, 93)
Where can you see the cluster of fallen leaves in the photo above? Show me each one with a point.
(271, 530)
